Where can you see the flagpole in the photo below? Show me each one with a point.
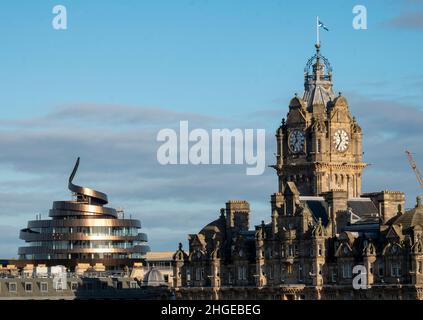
(317, 30)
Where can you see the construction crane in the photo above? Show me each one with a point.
(415, 168)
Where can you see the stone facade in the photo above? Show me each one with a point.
(56, 283)
(319, 146)
(161, 261)
(322, 227)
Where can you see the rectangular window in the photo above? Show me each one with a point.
(346, 271)
(320, 269)
(395, 269)
(133, 285)
(199, 274)
(270, 272)
(381, 270)
(44, 287)
(13, 287)
(300, 273)
(296, 250)
(319, 248)
(291, 250)
(28, 286)
(289, 269)
(74, 286)
(334, 275)
(420, 269)
(242, 273)
(318, 145)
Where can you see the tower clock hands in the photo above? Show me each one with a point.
(296, 141)
(340, 140)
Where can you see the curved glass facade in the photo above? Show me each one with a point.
(83, 230)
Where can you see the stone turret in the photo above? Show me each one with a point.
(388, 202)
(337, 201)
(238, 215)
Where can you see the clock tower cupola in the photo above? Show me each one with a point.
(319, 145)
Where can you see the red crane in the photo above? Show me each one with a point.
(415, 168)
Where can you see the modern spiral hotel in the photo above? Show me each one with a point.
(83, 230)
(85, 251)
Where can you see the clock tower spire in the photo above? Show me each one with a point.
(319, 145)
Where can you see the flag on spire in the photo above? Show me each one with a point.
(319, 24)
(322, 25)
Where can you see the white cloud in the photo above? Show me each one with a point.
(118, 157)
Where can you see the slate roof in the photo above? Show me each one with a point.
(362, 207)
(316, 94)
(411, 218)
(319, 209)
(217, 225)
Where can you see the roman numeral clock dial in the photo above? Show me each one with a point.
(341, 140)
(296, 141)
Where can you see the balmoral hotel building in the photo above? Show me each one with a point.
(321, 225)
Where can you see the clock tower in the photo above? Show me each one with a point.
(319, 145)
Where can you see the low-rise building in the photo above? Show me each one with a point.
(92, 282)
(161, 261)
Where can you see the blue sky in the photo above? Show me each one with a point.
(237, 61)
(192, 55)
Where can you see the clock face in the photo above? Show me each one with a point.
(341, 140)
(296, 141)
